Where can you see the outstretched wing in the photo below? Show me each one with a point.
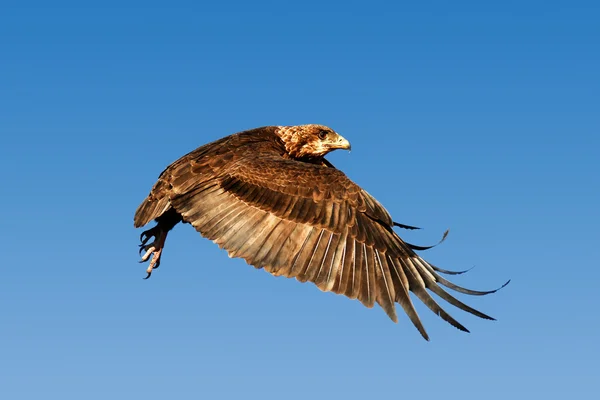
(309, 222)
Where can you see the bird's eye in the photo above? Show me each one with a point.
(322, 135)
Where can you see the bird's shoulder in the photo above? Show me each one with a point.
(215, 153)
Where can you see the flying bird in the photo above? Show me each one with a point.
(269, 196)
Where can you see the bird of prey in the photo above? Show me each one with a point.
(269, 196)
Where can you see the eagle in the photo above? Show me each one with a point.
(269, 196)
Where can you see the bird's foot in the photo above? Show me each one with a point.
(153, 250)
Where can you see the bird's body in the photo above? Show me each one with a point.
(268, 196)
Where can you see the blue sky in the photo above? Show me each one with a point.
(481, 118)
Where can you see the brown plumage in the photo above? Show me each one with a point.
(267, 195)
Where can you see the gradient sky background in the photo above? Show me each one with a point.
(484, 119)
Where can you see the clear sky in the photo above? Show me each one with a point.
(481, 117)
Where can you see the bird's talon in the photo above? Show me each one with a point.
(146, 235)
(145, 247)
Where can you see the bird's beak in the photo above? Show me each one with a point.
(341, 143)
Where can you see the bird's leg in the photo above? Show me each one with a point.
(153, 250)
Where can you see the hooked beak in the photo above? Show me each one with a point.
(341, 143)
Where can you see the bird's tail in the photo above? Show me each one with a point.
(150, 209)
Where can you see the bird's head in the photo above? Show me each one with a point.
(310, 141)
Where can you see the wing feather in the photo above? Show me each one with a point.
(325, 260)
(367, 292)
(386, 294)
(403, 297)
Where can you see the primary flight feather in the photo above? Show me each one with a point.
(269, 196)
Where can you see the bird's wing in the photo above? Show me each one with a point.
(312, 223)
